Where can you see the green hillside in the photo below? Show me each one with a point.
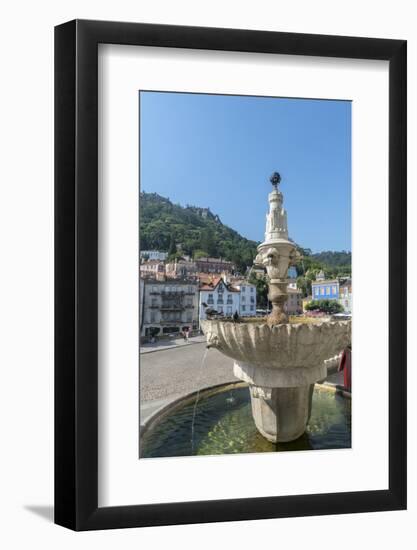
(333, 259)
(190, 230)
(198, 232)
(334, 264)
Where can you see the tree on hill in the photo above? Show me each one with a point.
(304, 284)
(200, 254)
(261, 285)
(207, 241)
(334, 264)
(172, 250)
(333, 259)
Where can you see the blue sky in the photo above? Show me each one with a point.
(218, 151)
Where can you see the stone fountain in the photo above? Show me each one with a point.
(280, 361)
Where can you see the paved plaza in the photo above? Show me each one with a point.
(176, 370)
(173, 372)
(171, 344)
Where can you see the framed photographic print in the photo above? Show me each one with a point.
(230, 275)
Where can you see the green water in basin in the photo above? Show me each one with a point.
(224, 424)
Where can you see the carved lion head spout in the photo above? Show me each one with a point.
(271, 256)
(212, 340)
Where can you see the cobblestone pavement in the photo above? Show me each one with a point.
(178, 371)
(169, 374)
(175, 372)
(170, 344)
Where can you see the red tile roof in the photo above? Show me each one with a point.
(211, 283)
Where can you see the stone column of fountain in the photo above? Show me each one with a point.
(280, 361)
(277, 253)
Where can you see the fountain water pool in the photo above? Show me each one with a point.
(224, 424)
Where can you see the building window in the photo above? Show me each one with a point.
(243, 308)
(229, 310)
(252, 308)
(252, 289)
(243, 289)
(243, 298)
(220, 309)
(322, 291)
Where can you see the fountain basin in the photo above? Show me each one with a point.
(291, 345)
(281, 363)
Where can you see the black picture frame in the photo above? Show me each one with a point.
(76, 272)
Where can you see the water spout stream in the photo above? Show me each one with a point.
(203, 360)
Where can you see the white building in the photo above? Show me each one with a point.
(227, 297)
(154, 255)
(294, 302)
(216, 294)
(247, 302)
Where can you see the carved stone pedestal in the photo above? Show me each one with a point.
(281, 414)
(277, 295)
(281, 398)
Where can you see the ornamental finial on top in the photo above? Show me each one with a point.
(275, 179)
